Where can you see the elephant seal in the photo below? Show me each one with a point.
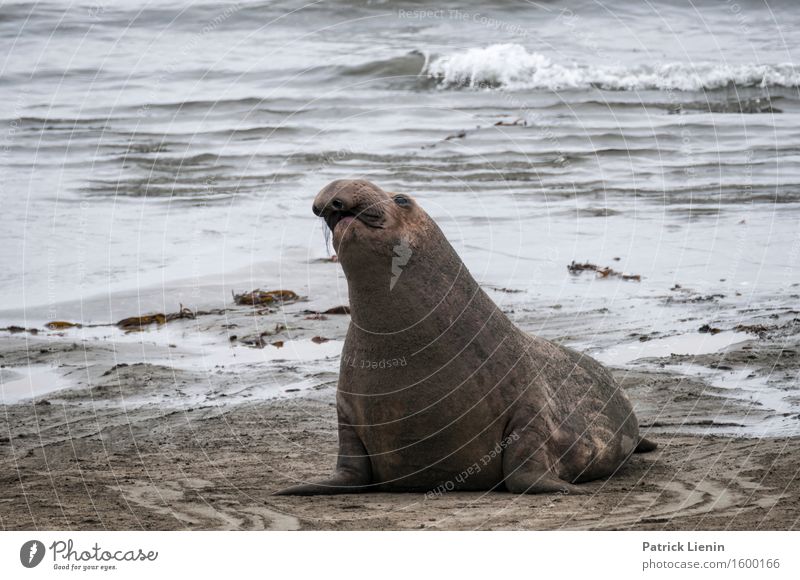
(438, 389)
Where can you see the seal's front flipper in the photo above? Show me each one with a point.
(341, 482)
(353, 470)
(645, 446)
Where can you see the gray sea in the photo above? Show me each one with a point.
(148, 146)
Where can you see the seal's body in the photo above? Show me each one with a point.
(438, 389)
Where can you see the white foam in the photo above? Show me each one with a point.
(512, 66)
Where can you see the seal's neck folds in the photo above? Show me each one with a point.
(423, 287)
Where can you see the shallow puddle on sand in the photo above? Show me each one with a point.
(34, 381)
(686, 344)
(206, 355)
(773, 412)
(288, 369)
(782, 414)
(186, 348)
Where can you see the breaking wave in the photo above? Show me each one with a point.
(513, 67)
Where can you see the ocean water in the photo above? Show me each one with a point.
(147, 143)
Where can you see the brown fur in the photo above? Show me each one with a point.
(438, 389)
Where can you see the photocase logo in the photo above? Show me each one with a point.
(402, 256)
(31, 553)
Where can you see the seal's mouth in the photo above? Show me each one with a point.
(334, 217)
(373, 220)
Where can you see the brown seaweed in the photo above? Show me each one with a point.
(316, 316)
(708, 329)
(576, 268)
(344, 309)
(265, 297)
(61, 325)
(140, 322)
(182, 313)
(17, 329)
(515, 123)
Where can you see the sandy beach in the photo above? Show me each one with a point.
(190, 425)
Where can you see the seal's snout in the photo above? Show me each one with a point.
(335, 210)
(340, 195)
(335, 204)
(349, 199)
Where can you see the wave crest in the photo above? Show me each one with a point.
(511, 66)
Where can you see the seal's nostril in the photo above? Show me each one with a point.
(337, 204)
(316, 209)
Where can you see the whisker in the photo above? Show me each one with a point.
(326, 232)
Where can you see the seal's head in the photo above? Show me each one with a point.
(399, 266)
(367, 222)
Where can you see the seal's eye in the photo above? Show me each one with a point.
(402, 200)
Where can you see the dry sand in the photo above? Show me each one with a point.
(212, 470)
(148, 440)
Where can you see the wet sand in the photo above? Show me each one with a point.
(188, 427)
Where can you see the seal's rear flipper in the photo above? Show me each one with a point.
(529, 483)
(645, 445)
(554, 486)
(523, 473)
